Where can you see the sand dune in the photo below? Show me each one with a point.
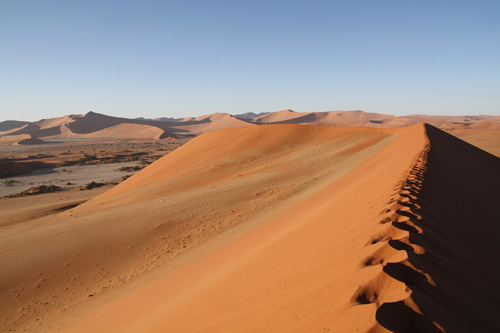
(10, 126)
(55, 122)
(278, 117)
(211, 122)
(95, 125)
(367, 119)
(452, 224)
(20, 139)
(35, 131)
(297, 269)
(271, 228)
(482, 131)
(242, 173)
(120, 131)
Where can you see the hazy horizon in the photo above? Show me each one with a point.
(234, 113)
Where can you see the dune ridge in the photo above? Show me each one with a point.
(452, 224)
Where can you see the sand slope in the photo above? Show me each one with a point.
(168, 210)
(271, 228)
(299, 269)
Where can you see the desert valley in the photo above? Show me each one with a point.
(340, 221)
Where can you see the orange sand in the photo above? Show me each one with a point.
(271, 228)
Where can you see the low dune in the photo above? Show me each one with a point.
(211, 122)
(271, 228)
(11, 124)
(21, 139)
(279, 117)
(120, 131)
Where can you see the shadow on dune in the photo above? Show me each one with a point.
(457, 209)
(398, 317)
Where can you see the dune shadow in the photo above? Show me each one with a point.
(407, 275)
(405, 226)
(408, 214)
(399, 245)
(458, 198)
(398, 317)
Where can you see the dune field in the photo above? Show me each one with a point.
(480, 130)
(281, 227)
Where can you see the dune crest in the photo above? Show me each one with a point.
(452, 224)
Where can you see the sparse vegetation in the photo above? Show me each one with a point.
(19, 162)
(126, 177)
(39, 190)
(91, 185)
(131, 168)
(10, 182)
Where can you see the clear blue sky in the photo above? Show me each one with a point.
(188, 58)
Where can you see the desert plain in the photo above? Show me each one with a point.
(341, 221)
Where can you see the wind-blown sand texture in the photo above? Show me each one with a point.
(271, 228)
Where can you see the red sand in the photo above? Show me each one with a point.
(272, 228)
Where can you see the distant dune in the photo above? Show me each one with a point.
(120, 131)
(20, 139)
(211, 122)
(95, 125)
(278, 117)
(271, 228)
(11, 125)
